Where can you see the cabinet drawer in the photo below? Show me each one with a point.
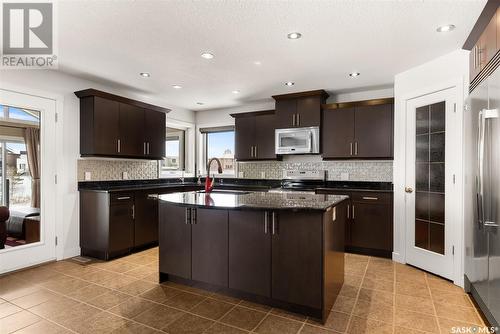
(120, 198)
(371, 197)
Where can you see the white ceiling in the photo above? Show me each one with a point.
(112, 41)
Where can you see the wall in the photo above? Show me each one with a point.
(450, 70)
(63, 85)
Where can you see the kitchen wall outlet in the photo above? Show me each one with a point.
(87, 176)
(241, 174)
(344, 176)
(262, 175)
(125, 175)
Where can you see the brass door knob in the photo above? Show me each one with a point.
(409, 190)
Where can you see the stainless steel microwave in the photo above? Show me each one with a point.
(297, 140)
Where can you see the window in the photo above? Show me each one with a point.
(19, 115)
(175, 149)
(220, 144)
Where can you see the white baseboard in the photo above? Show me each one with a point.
(72, 252)
(397, 258)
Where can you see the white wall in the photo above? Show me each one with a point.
(57, 83)
(450, 70)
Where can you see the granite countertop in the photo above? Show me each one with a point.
(255, 200)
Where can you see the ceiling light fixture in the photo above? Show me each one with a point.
(177, 86)
(235, 91)
(294, 35)
(257, 62)
(200, 103)
(207, 55)
(289, 83)
(354, 74)
(145, 74)
(445, 28)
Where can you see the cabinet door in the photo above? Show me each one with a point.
(371, 225)
(249, 252)
(488, 41)
(244, 138)
(210, 246)
(106, 126)
(155, 133)
(309, 111)
(264, 136)
(175, 241)
(297, 258)
(286, 111)
(146, 218)
(373, 131)
(338, 133)
(131, 130)
(121, 226)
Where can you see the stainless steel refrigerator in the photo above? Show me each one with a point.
(482, 196)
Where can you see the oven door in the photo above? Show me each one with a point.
(297, 140)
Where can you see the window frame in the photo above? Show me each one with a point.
(205, 132)
(180, 135)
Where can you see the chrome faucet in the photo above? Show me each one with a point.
(209, 183)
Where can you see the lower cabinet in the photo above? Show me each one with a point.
(146, 218)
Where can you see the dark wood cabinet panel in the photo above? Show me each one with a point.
(146, 218)
(121, 226)
(286, 111)
(338, 133)
(131, 127)
(297, 258)
(244, 138)
(175, 238)
(488, 42)
(249, 252)
(308, 111)
(105, 124)
(371, 226)
(264, 137)
(155, 125)
(373, 131)
(210, 246)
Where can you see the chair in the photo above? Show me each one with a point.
(4, 216)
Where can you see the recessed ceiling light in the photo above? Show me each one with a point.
(294, 35)
(354, 74)
(289, 83)
(235, 91)
(200, 103)
(445, 28)
(257, 62)
(207, 55)
(177, 86)
(145, 74)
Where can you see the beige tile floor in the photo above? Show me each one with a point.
(122, 296)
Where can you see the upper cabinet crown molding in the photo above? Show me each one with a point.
(374, 102)
(117, 98)
(319, 92)
(253, 113)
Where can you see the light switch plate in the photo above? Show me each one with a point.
(87, 176)
(344, 176)
(125, 175)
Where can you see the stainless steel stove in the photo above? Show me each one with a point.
(302, 181)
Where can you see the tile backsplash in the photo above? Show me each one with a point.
(106, 170)
(377, 171)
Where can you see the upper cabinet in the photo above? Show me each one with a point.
(115, 126)
(254, 135)
(358, 130)
(299, 109)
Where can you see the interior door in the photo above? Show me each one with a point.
(432, 136)
(44, 250)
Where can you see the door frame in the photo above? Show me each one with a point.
(460, 84)
(57, 153)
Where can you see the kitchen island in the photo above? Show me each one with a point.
(284, 249)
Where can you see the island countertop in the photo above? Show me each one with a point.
(254, 200)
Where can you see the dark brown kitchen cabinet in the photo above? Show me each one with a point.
(115, 126)
(250, 252)
(146, 218)
(254, 135)
(175, 238)
(299, 109)
(297, 258)
(358, 130)
(210, 246)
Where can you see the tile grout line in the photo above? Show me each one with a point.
(357, 296)
(432, 301)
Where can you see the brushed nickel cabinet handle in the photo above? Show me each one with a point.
(350, 144)
(188, 216)
(123, 198)
(353, 211)
(133, 211)
(194, 218)
(298, 119)
(293, 119)
(348, 209)
(118, 142)
(273, 228)
(266, 222)
(370, 198)
(147, 145)
(356, 148)
(255, 156)
(144, 148)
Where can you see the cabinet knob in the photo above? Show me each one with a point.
(409, 190)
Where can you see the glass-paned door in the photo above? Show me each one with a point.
(432, 137)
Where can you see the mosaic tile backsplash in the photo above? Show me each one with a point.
(106, 170)
(377, 171)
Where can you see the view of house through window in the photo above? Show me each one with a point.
(175, 150)
(221, 145)
(20, 174)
